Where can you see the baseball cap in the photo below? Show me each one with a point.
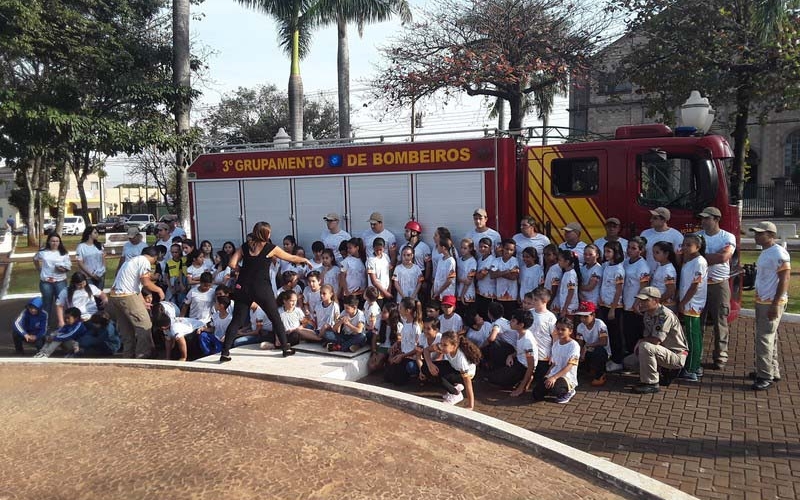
(331, 216)
(375, 217)
(586, 308)
(132, 231)
(710, 212)
(480, 211)
(662, 212)
(648, 292)
(449, 300)
(613, 220)
(572, 226)
(764, 226)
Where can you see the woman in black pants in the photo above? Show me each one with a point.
(253, 285)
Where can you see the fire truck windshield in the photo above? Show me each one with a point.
(682, 182)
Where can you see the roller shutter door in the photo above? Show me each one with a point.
(315, 197)
(448, 199)
(217, 212)
(268, 200)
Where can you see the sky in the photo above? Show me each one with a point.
(242, 51)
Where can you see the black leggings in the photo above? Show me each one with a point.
(632, 330)
(448, 376)
(263, 296)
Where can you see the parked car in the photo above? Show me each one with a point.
(143, 222)
(74, 225)
(113, 224)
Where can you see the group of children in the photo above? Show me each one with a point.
(526, 321)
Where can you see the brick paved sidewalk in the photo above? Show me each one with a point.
(713, 439)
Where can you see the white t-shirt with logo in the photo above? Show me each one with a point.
(129, 277)
(80, 299)
(587, 273)
(539, 241)
(526, 346)
(770, 261)
(381, 269)
(201, 304)
(637, 275)
(507, 289)
(465, 269)
(326, 315)
(613, 275)
(446, 269)
(486, 287)
(356, 277)
(592, 335)
(671, 235)
(694, 271)
(454, 323)
(529, 279)
(409, 336)
(369, 237)
(406, 280)
(562, 355)
(291, 319)
(461, 364)
(506, 334)
(664, 275)
(544, 324)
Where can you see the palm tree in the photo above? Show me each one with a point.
(181, 78)
(294, 36)
(362, 12)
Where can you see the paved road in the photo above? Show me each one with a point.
(714, 439)
(115, 432)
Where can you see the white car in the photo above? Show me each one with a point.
(74, 225)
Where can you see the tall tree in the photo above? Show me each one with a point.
(505, 49)
(181, 78)
(362, 12)
(742, 55)
(254, 115)
(294, 36)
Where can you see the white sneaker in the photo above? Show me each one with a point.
(453, 399)
(459, 387)
(40, 354)
(267, 346)
(614, 367)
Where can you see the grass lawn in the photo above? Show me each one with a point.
(750, 256)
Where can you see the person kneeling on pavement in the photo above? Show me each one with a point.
(65, 337)
(663, 344)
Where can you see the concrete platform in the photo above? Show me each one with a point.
(311, 361)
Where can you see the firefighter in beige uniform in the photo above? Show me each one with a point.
(663, 343)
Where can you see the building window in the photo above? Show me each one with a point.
(575, 176)
(791, 155)
(94, 186)
(609, 84)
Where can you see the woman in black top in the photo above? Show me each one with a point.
(253, 285)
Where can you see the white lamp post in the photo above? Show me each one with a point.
(695, 112)
(281, 139)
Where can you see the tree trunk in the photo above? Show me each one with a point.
(545, 123)
(343, 72)
(81, 167)
(516, 112)
(63, 187)
(181, 78)
(32, 182)
(739, 141)
(296, 92)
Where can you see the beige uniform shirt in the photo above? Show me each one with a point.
(664, 325)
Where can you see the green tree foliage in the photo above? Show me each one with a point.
(742, 54)
(506, 49)
(254, 115)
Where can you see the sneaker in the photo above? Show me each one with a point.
(267, 346)
(687, 375)
(40, 354)
(753, 376)
(562, 400)
(761, 384)
(646, 389)
(614, 367)
(599, 381)
(699, 372)
(334, 347)
(453, 399)
(459, 387)
(354, 348)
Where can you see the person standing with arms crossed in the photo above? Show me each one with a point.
(253, 285)
(772, 293)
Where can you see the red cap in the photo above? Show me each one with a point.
(586, 308)
(414, 226)
(449, 300)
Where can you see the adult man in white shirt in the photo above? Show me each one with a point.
(133, 247)
(480, 217)
(613, 226)
(660, 231)
(528, 237)
(377, 230)
(163, 235)
(174, 229)
(720, 245)
(333, 235)
(773, 270)
(126, 305)
(572, 240)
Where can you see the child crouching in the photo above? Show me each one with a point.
(456, 370)
(562, 378)
(67, 336)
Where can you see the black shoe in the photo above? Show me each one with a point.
(761, 384)
(224, 359)
(288, 352)
(753, 376)
(646, 389)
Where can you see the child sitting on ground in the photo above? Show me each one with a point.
(501, 339)
(349, 328)
(326, 313)
(430, 335)
(450, 319)
(480, 330)
(372, 312)
(30, 327)
(562, 378)
(67, 336)
(389, 328)
(402, 363)
(457, 368)
(592, 334)
(101, 338)
(293, 319)
(519, 367)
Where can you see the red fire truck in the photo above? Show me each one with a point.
(441, 183)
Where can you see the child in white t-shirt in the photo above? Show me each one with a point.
(349, 328)
(693, 287)
(330, 271)
(379, 270)
(592, 334)
(456, 369)
(372, 312)
(311, 295)
(388, 331)
(293, 319)
(519, 366)
(544, 325)
(478, 333)
(465, 273)
(562, 378)
(326, 313)
(450, 319)
(531, 274)
(407, 279)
